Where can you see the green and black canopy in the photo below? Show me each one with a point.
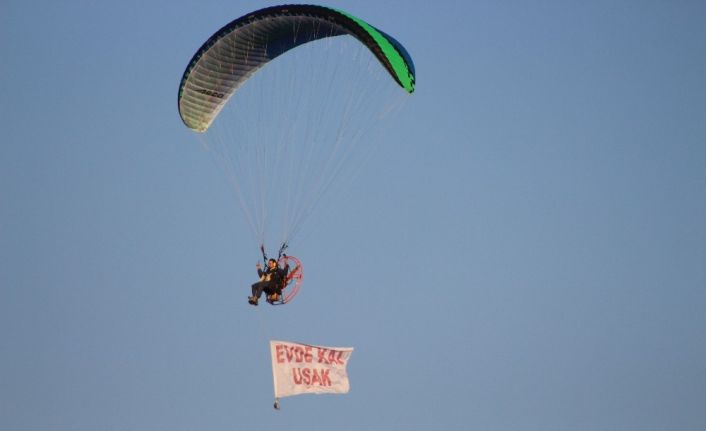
(236, 51)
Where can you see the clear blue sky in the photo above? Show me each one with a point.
(526, 252)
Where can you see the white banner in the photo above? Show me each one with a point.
(306, 369)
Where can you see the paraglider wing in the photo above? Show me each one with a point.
(235, 52)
